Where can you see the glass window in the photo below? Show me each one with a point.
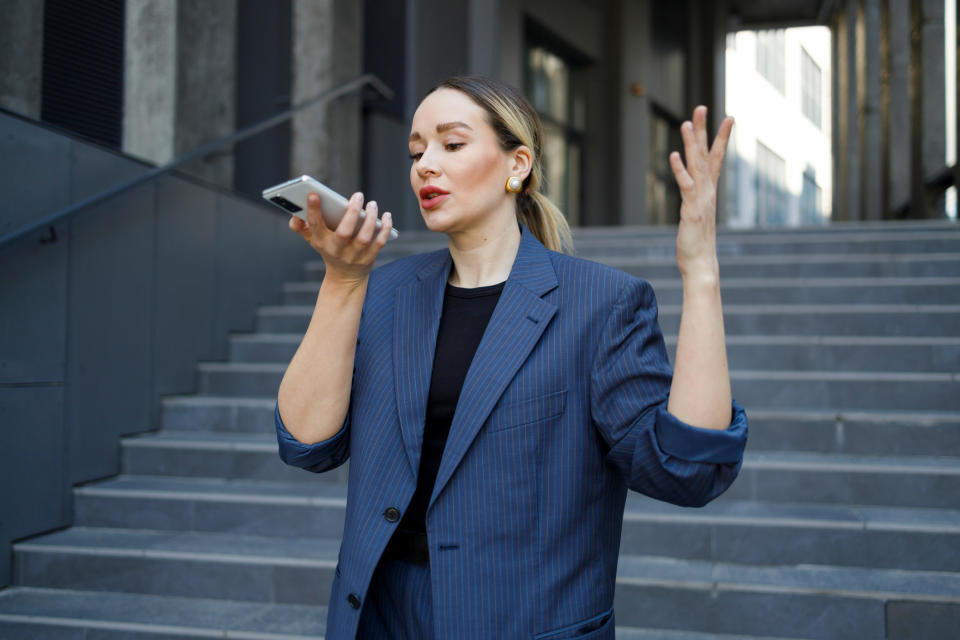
(771, 187)
(663, 194)
(555, 89)
(771, 58)
(811, 87)
(810, 198)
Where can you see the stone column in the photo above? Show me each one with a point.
(484, 47)
(634, 111)
(150, 80)
(928, 106)
(327, 51)
(846, 140)
(21, 56)
(895, 54)
(206, 84)
(868, 98)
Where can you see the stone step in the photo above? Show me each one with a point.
(825, 290)
(834, 353)
(872, 433)
(848, 480)
(312, 506)
(640, 241)
(884, 265)
(216, 455)
(279, 569)
(31, 613)
(842, 390)
(651, 591)
(809, 601)
(890, 433)
(746, 319)
(627, 242)
(781, 533)
(774, 531)
(753, 388)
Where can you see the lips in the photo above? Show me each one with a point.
(431, 196)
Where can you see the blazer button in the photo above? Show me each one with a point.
(392, 514)
(353, 600)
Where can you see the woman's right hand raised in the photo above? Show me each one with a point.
(348, 251)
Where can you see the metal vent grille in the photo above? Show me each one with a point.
(83, 68)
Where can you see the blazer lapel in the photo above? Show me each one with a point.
(518, 321)
(416, 322)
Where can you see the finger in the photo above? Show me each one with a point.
(296, 224)
(348, 224)
(690, 151)
(386, 223)
(315, 216)
(700, 127)
(684, 181)
(719, 149)
(369, 226)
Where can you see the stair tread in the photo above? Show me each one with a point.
(310, 489)
(224, 547)
(140, 612)
(638, 507)
(755, 414)
(162, 614)
(821, 579)
(634, 569)
(851, 462)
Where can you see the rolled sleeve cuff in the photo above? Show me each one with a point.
(696, 444)
(298, 454)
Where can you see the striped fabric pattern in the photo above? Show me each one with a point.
(563, 410)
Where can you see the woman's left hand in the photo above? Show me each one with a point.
(697, 234)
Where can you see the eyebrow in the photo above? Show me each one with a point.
(444, 126)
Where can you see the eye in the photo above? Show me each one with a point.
(416, 156)
(453, 146)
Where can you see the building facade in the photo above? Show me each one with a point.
(612, 80)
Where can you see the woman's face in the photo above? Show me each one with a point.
(458, 168)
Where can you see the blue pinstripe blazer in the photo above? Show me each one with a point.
(562, 410)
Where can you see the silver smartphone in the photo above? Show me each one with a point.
(292, 195)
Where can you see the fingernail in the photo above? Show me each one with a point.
(372, 203)
(356, 198)
(387, 216)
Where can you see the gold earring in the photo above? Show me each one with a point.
(514, 184)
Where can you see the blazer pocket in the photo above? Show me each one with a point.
(524, 412)
(597, 626)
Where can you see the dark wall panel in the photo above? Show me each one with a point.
(185, 283)
(33, 295)
(33, 473)
(243, 230)
(96, 326)
(442, 41)
(35, 176)
(264, 54)
(110, 329)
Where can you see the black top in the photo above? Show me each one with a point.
(465, 315)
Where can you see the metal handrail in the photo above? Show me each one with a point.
(202, 151)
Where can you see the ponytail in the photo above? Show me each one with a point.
(545, 221)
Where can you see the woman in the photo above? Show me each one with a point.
(496, 399)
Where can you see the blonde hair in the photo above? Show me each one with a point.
(516, 123)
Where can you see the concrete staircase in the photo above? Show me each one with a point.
(844, 345)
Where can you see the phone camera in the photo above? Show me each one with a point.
(286, 204)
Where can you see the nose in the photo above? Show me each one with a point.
(427, 165)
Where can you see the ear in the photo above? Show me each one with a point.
(521, 162)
